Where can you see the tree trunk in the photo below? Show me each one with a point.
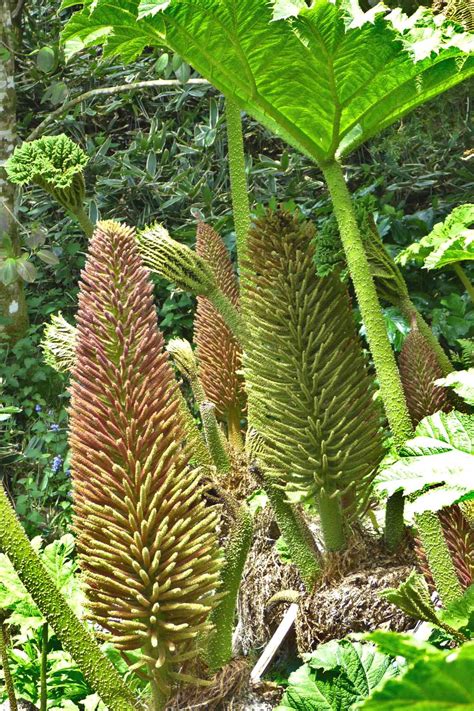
(13, 311)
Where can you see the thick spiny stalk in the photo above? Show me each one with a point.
(438, 556)
(146, 538)
(219, 354)
(389, 378)
(310, 396)
(238, 179)
(5, 663)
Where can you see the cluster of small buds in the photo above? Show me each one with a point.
(57, 463)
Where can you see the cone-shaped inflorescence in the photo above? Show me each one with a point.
(459, 538)
(56, 164)
(219, 354)
(189, 271)
(58, 343)
(146, 539)
(310, 395)
(419, 368)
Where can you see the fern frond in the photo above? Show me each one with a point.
(310, 395)
(219, 354)
(146, 539)
(419, 368)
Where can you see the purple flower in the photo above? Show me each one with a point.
(56, 465)
(38, 408)
(68, 472)
(54, 427)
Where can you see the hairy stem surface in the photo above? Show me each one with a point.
(332, 522)
(75, 638)
(297, 535)
(238, 180)
(384, 360)
(438, 556)
(7, 676)
(219, 651)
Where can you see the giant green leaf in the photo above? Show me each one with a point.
(325, 77)
(443, 682)
(337, 675)
(462, 382)
(448, 242)
(441, 455)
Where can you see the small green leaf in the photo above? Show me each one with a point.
(8, 271)
(47, 256)
(161, 63)
(46, 60)
(26, 270)
(36, 238)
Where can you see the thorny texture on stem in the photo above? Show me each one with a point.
(4, 662)
(459, 536)
(238, 179)
(310, 394)
(384, 359)
(12, 297)
(439, 557)
(419, 368)
(146, 539)
(219, 355)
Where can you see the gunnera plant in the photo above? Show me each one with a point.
(146, 537)
(311, 398)
(218, 353)
(56, 164)
(419, 368)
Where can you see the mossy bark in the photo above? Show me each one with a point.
(13, 311)
(75, 638)
(438, 557)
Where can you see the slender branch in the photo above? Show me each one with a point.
(110, 91)
(464, 279)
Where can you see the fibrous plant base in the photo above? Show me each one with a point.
(310, 394)
(146, 538)
(218, 353)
